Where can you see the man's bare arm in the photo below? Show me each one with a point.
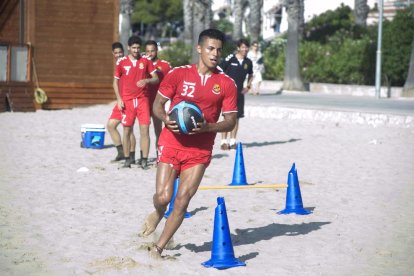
(223, 126)
(159, 111)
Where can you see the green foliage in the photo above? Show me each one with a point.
(223, 25)
(229, 47)
(274, 59)
(321, 27)
(155, 11)
(346, 54)
(177, 53)
(396, 46)
(226, 27)
(344, 63)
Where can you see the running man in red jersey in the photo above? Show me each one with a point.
(116, 116)
(189, 155)
(163, 67)
(134, 70)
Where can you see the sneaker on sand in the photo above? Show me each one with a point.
(144, 164)
(127, 163)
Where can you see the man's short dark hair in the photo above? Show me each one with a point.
(211, 33)
(117, 45)
(243, 41)
(134, 40)
(152, 42)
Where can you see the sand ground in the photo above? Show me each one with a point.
(357, 179)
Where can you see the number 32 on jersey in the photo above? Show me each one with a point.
(188, 89)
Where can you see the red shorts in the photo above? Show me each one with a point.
(116, 114)
(136, 108)
(181, 159)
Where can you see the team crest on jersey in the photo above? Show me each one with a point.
(141, 65)
(245, 67)
(216, 89)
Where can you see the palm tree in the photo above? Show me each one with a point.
(292, 78)
(126, 9)
(255, 19)
(238, 10)
(408, 90)
(188, 21)
(361, 10)
(202, 17)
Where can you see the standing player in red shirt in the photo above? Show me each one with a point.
(116, 116)
(189, 155)
(163, 67)
(134, 70)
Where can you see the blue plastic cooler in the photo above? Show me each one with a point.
(93, 136)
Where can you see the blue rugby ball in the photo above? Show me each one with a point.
(187, 115)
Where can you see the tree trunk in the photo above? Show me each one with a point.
(293, 79)
(202, 16)
(255, 19)
(361, 10)
(301, 28)
(408, 89)
(238, 19)
(126, 9)
(188, 21)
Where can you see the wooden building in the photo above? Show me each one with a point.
(62, 47)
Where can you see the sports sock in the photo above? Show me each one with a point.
(120, 150)
(127, 163)
(144, 163)
(120, 155)
(223, 141)
(132, 156)
(232, 141)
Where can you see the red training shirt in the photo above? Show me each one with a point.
(213, 93)
(130, 72)
(163, 67)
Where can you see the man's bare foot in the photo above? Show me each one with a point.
(150, 224)
(154, 253)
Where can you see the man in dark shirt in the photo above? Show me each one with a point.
(237, 66)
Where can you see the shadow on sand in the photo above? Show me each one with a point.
(266, 143)
(253, 235)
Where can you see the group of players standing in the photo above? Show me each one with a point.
(136, 80)
(146, 72)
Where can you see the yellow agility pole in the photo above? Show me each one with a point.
(262, 186)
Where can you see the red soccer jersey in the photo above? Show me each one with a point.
(163, 67)
(130, 72)
(212, 93)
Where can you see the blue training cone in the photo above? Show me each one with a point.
(171, 205)
(239, 174)
(222, 254)
(293, 197)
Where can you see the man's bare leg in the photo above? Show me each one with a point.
(113, 132)
(145, 144)
(189, 181)
(133, 145)
(127, 145)
(164, 189)
(112, 125)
